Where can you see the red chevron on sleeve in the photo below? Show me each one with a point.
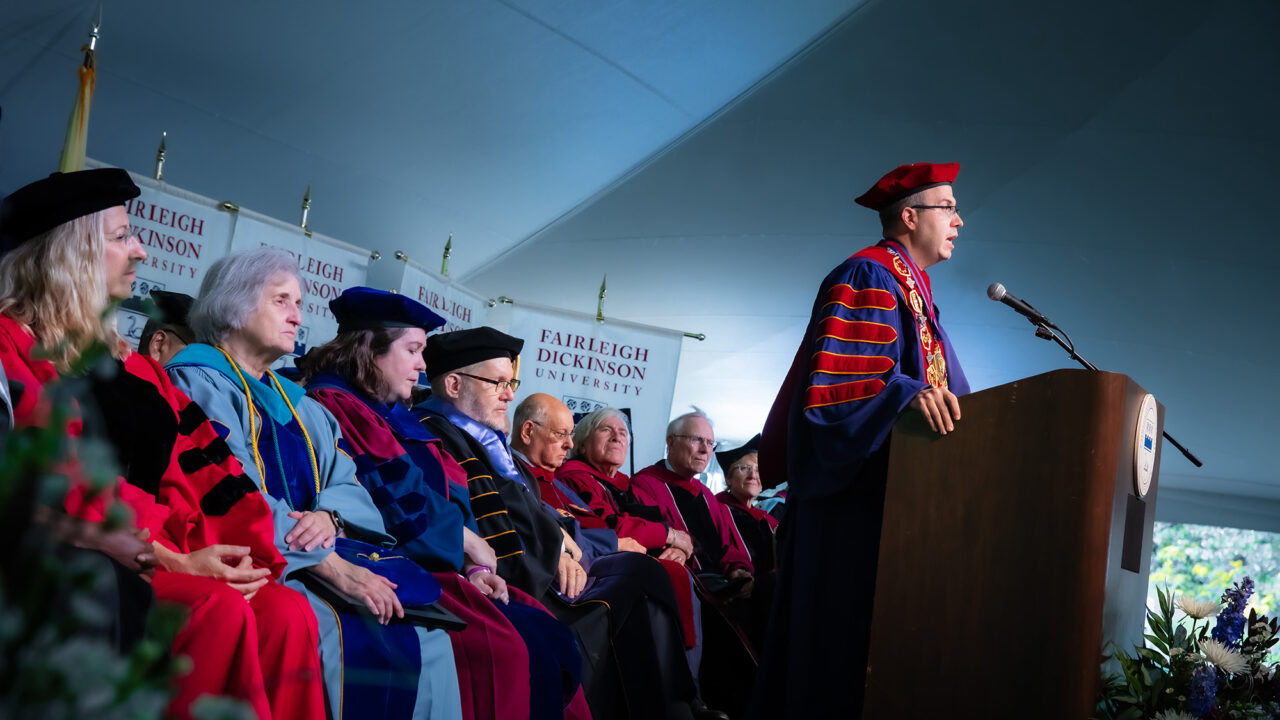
(837, 364)
(856, 330)
(869, 299)
(822, 395)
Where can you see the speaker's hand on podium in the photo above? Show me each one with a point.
(940, 407)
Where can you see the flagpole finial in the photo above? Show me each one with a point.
(600, 299)
(160, 157)
(94, 33)
(306, 208)
(448, 253)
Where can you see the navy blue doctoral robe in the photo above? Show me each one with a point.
(863, 359)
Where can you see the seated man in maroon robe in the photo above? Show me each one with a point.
(687, 505)
(541, 437)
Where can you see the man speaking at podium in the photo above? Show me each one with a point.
(874, 349)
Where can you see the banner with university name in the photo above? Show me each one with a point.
(328, 267)
(588, 365)
(183, 234)
(460, 307)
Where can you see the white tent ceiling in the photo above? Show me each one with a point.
(1116, 156)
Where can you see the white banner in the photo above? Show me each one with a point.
(588, 365)
(183, 235)
(328, 267)
(459, 306)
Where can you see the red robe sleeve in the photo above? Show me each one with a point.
(33, 409)
(209, 497)
(15, 355)
(651, 534)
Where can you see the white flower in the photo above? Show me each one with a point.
(1173, 715)
(1198, 609)
(1229, 660)
(1175, 651)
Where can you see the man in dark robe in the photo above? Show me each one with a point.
(874, 348)
(166, 331)
(619, 607)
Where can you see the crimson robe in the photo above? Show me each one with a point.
(756, 527)
(260, 651)
(657, 485)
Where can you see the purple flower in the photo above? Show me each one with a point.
(1230, 626)
(1204, 683)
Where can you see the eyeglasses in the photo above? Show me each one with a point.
(746, 469)
(951, 210)
(560, 435)
(498, 385)
(130, 233)
(699, 440)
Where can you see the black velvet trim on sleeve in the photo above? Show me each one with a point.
(223, 496)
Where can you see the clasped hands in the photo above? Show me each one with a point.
(314, 529)
(679, 546)
(478, 554)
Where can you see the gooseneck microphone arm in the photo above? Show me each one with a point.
(1046, 330)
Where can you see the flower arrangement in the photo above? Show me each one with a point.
(1188, 673)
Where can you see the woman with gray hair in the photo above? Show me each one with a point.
(245, 319)
(601, 441)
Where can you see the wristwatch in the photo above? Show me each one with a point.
(338, 523)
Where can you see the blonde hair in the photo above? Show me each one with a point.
(55, 284)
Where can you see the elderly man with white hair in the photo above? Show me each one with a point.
(689, 506)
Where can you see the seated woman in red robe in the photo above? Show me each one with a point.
(515, 660)
(758, 528)
(741, 468)
(71, 252)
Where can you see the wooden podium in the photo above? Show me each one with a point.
(1013, 550)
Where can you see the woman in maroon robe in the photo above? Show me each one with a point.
(741, 468)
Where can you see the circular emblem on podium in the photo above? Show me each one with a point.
(1144, 446)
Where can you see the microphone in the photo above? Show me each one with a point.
(997, 292)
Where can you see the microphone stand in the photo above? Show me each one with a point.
(1045, 330)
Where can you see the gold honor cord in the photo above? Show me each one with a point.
(311, 449)
(248, 397)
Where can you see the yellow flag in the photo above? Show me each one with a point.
(73, 150)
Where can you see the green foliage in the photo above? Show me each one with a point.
(1199, 560)
(49, 668)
